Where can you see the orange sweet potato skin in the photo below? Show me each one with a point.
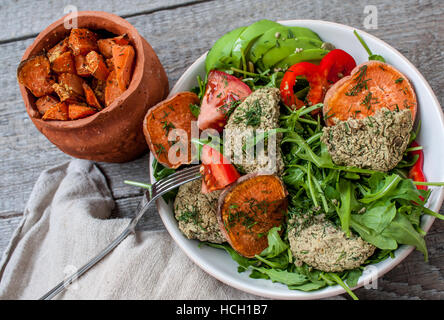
(112, 89)
(106, 45)
(57, 112)
(64, 63)
(385, 86)
(35, 74)
(82, 41)
(81, 66)
(123, 59)
(44, 103)
(249, 208)
(173, 113)
(90, 97)
(96, 65)
(79, 111)
(69, 87)
(58, 49)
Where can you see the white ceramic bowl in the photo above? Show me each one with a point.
(220, 265)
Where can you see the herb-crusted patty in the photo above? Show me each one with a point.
(196, 213)
(375, 142)
(257, 114)
(321, 245)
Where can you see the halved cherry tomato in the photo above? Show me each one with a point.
(221, 91)
(216, 170)
(335, 65)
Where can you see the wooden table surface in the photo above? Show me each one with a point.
(180, 31)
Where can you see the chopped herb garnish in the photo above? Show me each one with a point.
(195, 109)
(361, 82)
(167, 126)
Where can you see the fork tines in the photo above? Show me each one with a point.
(176, 179)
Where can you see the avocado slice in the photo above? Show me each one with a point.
(243, 43)
(309, 55)
(268, 40)
(284, 48)
(220, 53)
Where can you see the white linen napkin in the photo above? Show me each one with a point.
(65, 224)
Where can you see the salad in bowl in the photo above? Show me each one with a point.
(313, 155)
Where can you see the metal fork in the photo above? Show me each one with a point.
(157, 190)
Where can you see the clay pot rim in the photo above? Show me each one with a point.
(133, 86)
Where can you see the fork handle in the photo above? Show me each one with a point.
(143, 207)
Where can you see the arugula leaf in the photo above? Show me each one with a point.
(309, 286)
(243, 262)
(390, 183)
(345, 190)
(278, 262)
(160, 172)
(371, 56)
(283, 276)
(371, 236)
(403, 232)
(275, 244)
(379, 216)
(353, 277)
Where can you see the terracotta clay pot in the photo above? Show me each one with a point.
(114, 134)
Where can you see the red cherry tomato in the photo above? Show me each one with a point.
(216, 170)
(221, 91)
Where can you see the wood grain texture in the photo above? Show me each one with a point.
(180, 31)
(25, 26)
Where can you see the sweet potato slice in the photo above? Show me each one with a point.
(98, 87)
(123, 58)
(248, 209)
(57, 50)
(57, 112)
(69, 88)
(35, 74)
(90, 96)
(370, 86)
(173, 113)
(82, 41)
(79, 111)
(106, 45)
(96, 65)
(64, 63)
(110, 63)
(81, 66)
(112, 89)
(44, 103)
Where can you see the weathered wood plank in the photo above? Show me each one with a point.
(46, 12)
(179, 36)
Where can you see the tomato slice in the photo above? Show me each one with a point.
(221, 91)
(311, 72)
(336, 65)
(216, 170)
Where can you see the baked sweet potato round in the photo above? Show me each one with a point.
(114, 134)
(167, 115)
(249, 208)
(370, 86)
